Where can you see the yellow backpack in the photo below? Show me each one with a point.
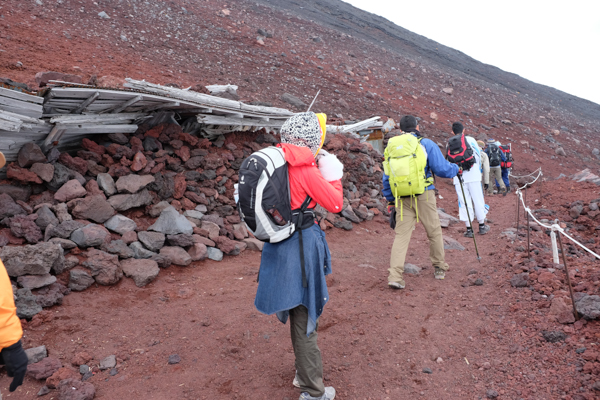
(405, 162)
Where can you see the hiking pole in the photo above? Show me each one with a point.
(564, 257)
(313, 102)
(469, 216)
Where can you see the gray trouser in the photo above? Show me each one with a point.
(309, 366)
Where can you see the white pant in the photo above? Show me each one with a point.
(474, 194)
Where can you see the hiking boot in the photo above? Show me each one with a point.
(296, 382)
(504, 192)
(397, 285)
(328, 395)
(483, 229)
(439, 273)
(468, 233)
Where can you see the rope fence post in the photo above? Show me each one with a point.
(564, 257)
(518, 207)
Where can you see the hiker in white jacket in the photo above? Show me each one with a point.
(472, 187)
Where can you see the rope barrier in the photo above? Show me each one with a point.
(553, 227)
(532, 182)
(524, 176)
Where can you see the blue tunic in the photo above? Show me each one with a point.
(280, 277)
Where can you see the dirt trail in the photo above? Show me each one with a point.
(375, 341)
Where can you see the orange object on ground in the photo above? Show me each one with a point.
(10, 325)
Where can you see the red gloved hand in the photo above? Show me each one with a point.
(390, 206)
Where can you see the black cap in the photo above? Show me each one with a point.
(408, 122)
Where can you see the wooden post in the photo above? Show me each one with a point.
(562, 250)
(518, 207)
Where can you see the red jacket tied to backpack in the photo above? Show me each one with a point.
(305, 179)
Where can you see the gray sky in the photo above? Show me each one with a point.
(555, 43)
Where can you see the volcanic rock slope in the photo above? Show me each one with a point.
(363, 64)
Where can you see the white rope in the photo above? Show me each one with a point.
(554, 227)
(532, 182)
(524, 176)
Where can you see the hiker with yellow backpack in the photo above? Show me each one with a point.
(410, 163)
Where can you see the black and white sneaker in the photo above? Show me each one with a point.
(468, 233)
(483, 229)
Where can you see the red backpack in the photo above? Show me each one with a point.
(508, 155)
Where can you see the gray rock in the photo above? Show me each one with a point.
(214, 254)
(193, 214)
(452, 244)
(93, 208)
(91, 235)
(411, 269)
(342, 223)
(45, 217)
(133, 183)
(16, 192)
(36, 281)
(427, 370)
(71, 262)
(177, 255)
(123, 202)
(8, 207)
(119, 248)
(106, 183)
(66, 244)
(451, 220)
(74, 389)
(26, 304)
(162, 260)
(595, 152)
(554, 336)
(141, 271)
(84, 369)
(153, 241)
(156, 209)
(108, 363)
(139, 251)
(80, 280)
(293, 100)
(64, 229)
(29, 154)
(575, 211)
(62, 212)
(36, 354)
(31, 259)
(491, 394)
(181, 240)
(348, 213)
(52, 295)
(118, 138)
(201, 208)
(120, 224)
(588, 306)
(520, 280)
(593, 206)
(105, 267)
(174, 359)
(171, 222)
(104, 15)
(560, 151)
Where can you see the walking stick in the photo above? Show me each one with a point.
(469, 216)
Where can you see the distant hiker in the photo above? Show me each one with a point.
(496, 158)
(280, 288)
(12, 354)
(414, 194)
(505, 166)
(473, 193)
(485, 165)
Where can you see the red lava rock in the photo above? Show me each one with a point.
(180, 186)
(62, 374)
(136, 145)
(546, 277)
(13, 171)
(129, 237)
(29, 154)
(92, 146)
(69, 191)
(44, 369)
(186, 137)
(187, 204)
(183, 153)
(25, 227)
(228, 246)
(93, 189)
(74, 163)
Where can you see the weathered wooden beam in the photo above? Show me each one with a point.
(162, 106)
(222, 120)
(47, 145)
(127, 104)
(93, 118)
(86, 103)
(13, 94)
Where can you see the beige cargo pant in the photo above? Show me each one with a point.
(426, 206)
(495, 172)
